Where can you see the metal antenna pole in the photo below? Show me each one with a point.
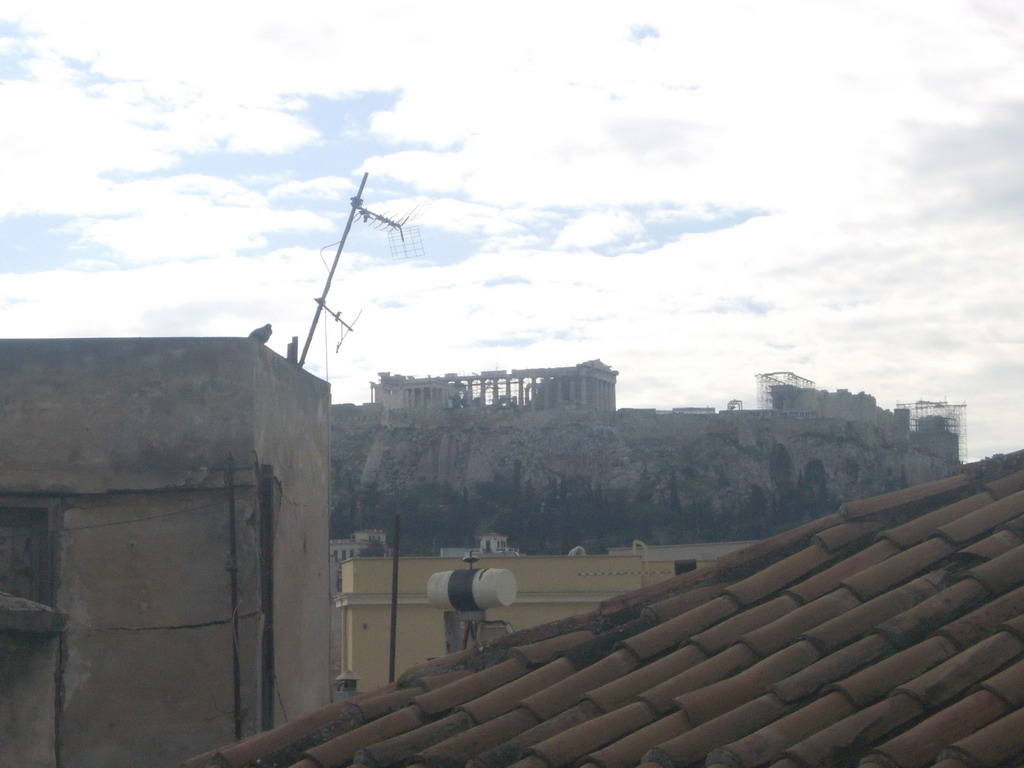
(357, 203)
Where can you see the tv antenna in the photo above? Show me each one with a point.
(404, 242)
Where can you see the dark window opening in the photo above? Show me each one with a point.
(26, 554)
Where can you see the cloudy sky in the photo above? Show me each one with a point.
(693, 192)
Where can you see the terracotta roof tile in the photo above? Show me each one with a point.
(917, 530)
(395, 750)
(718, 698)
(343, 748)
(679, 604)
(726, 632)
(1016, 526)
(825, 581)
(335, 720)
(875, 682)
(768, 742)
(981, 622)
(470, 687)
(1006, 486)
(833, 667)
(844, 534)
(920, 745)
(910, 626)
(663, 636)
(997, 743)
(939, 489)
(952, 677)
(983, 520)
(629, 750)
(693, 745)
(480, 739)
(837, 632)
(1003, 572)
(572, 744)
(501, 700)
(651, 593)
(530, 761)
(848, 736)
(544, 651)
(611, 695)
(372, 708)
(992, 546)
(779, 633)
(880, 578)
(779, 575)
(435, 666)
(1008, 684)
(563, 694)
(515, 744)
(876, 636)
(291, 738)
(437, 680)
(748, 560)
(1014, 625)
(610, 640)
(728, 662)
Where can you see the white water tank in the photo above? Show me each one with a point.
(475, 589)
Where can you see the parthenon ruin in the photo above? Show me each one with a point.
(587, 385)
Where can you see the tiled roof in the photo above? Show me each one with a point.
(888, 634)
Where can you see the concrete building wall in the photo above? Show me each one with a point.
(28, 689)
(145, 583)
(94, 415)
(292, 435)
(129, 441)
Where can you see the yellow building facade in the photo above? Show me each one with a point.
(548, 588)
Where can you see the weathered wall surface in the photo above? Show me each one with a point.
(92, 415)
(28, 666)
(292, 434)
(703, 467)
(128, 441)
(145, 583)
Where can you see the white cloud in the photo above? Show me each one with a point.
(596, 228)
(322, 188)
(826, 187)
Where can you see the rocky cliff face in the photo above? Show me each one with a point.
(551, 480)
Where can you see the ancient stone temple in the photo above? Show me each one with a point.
(586, 385)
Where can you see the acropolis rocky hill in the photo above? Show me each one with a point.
(554, 478)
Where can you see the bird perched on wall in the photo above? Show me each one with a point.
(261, 334)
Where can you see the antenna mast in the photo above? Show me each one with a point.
(404, 241)
(357, 203)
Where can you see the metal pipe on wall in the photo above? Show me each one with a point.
(394, 600)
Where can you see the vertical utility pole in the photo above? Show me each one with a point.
(357, 203)
(394, 600)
